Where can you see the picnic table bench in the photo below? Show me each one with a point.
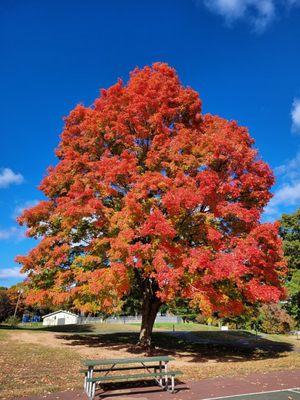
(155, 368)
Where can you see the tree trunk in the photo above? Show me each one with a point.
(150, 307)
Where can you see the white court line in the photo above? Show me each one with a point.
(296, 390)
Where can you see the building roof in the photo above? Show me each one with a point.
(60, 311)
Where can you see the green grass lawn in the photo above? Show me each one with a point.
(203, 331)
(108, 327)
(190, 326)
(84, 328)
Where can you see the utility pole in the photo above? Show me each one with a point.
(18, 300)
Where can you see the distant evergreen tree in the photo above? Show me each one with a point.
(290, 233)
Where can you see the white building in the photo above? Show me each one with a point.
(60, 317)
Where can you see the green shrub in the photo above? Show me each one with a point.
(12, 321)
(273, 319)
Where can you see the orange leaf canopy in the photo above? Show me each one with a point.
(148, 186)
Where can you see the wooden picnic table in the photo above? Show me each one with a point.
(158, 364)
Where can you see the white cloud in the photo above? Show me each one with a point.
(290, 171)
(14, 272)
(287, 194)
(12, 233)
(295, 113)
(258, 13)
(21, 207)
(9, 177)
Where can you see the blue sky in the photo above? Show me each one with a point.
(243, 56)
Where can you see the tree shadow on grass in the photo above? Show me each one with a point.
(201, 347)
(59, 328)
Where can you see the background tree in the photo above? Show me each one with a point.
(290, 232)
(132, 304)
(8, 302)
(17, 297)
(181, 308)
(273, 319)
(5, 305)
(151, 194)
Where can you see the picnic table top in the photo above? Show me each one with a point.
(110, 361)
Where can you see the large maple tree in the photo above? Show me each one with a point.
(151, 194)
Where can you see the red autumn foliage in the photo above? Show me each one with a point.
(146, 185)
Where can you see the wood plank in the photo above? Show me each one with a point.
(120, 368)
(91, 363)
(135, 376)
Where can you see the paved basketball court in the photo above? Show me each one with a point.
(275, 385)
(285, 394)
(288, 394)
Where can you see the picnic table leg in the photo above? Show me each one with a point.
(89, 384)
(166, 375)
(173, 383)
(92, 391)
(160, 371)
